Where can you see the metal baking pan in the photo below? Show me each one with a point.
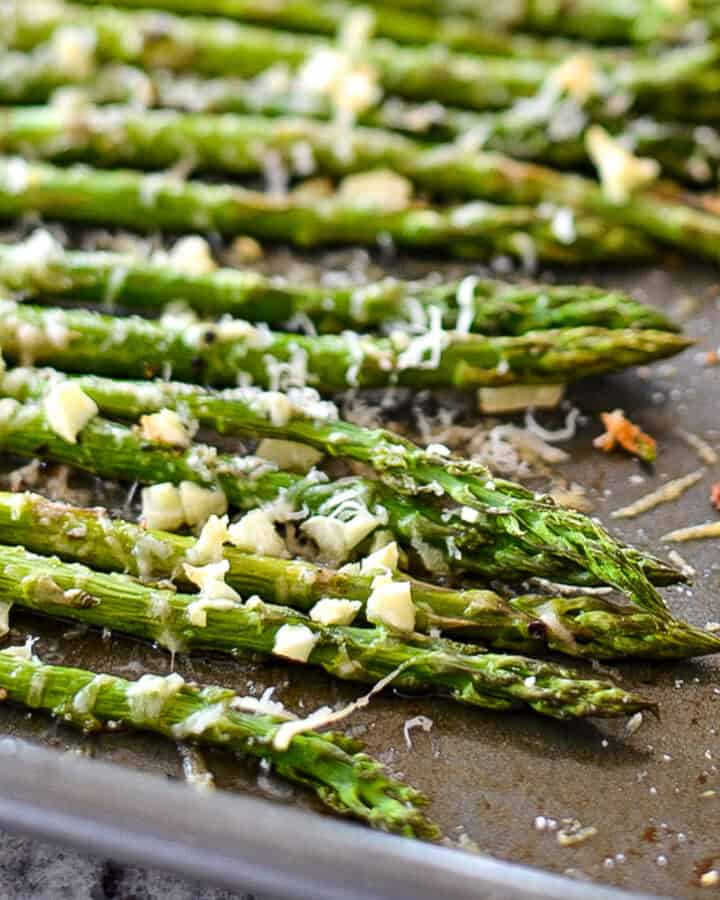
(489, 776)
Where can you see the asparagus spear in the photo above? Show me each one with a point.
(462, 672)
(41, 268)
(510, 529)
(160, 201)
(579, 626)
(349, 782)
(405, 27)
(219, 47)
(631, 21)
(115, 136)
(218, 353)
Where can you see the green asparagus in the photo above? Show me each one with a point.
(219, 47)
(347, 781)
(162, 201)
(118, 136)
(227, 352)
(177, 621)
(631, 21)
(405, 27)
(510, 530)
(40, 268)
(578, 626)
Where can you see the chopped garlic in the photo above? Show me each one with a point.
(210, 580)
(295, 642)
(333, 611)
(516, 397)
(68, 409)
(255, 533)
(165, 427)
(577, 76)
(335, 538)
(289, 455)
(209, 546)
(620, 172)
(200, 503)
(380, 189)
(383, 560)
(162, 507)
(390, 603)
(191, 255)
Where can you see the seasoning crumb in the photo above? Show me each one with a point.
(619, 430)
(634, 723)
(574, 833)
(715, 495)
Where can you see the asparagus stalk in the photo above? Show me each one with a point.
(579, 626)
(218, 354)
(219, 47)
(405, 27)
(349, 782)
(160, 201)
(119, 136)
(461, 672)
(510, 530)
(625, 21)
(248, 412)
(41, 268)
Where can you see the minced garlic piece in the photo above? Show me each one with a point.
(209, 546)
(289, 455)
(191, 255)
(383, 560)
(390, 603)
(68, 410)
(165, 427)
(162, 507)
(200, 503)
(295, 642)
(577, 76)
(210, 580)
(380, 189)
(256, 533)
(334, 538)
(620, 172)
(334, 611)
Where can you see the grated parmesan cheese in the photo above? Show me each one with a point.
(664, 494)
(621, 173)
(68, 410)
(693, 533)
(417, 722)
(147, 696)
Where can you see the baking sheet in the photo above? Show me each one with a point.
(490, 776)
